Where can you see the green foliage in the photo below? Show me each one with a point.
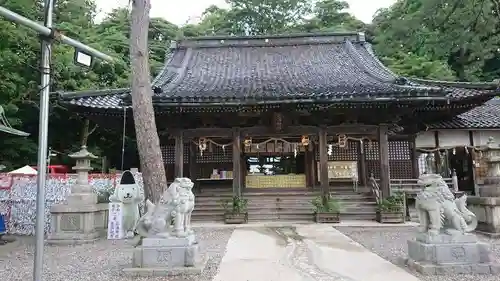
(103, 194)
(433, 39)
(391, 204)
(236, 205)
(331, 205)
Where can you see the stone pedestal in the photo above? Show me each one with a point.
(166, 257)
(450, 254)
(80, 218)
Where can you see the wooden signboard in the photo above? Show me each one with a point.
(341, 170)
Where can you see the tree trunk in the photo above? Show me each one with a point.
(86, 132)
(148, 142)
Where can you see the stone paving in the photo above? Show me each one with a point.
(254, 252)
(302, 253)
(390, 244)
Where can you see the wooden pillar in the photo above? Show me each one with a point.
(383, 144)
(193, 167)
(179, 155)
(415, 173)
(323, 163)
(236, 163)
(437, 155)
(307, 168)
(362, 165)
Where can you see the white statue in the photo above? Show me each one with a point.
(129, 194)
(176, 205)
(438, 210)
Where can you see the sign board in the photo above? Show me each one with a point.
(115, 221)
(347, 170)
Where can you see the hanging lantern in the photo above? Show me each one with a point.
(305, 140)
(342, 140)
(247, 142)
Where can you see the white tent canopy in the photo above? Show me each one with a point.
(26, 170)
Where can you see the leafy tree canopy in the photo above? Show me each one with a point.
(433, 39)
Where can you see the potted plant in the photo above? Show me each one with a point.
(235, 210)
(326, 211)
(390, 209)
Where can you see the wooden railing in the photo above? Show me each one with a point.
(407, 187)
(410, 186)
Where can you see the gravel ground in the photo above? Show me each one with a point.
(102, 260)
(390, 244)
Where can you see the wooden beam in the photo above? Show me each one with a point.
(383, 144)
(179, 156)
(207, 132)
(352, 129)
(288, 130)
(236, 163)
(323, 163)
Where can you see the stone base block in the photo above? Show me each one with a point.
(196, 269)
(166, 252)
(450, 254)
(166, 256)
(75, 224)
(447, 269)
(487, 211)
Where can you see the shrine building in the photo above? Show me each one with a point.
(293, 112)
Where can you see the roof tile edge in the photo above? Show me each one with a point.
(269, 40)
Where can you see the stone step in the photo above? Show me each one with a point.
(306, 217)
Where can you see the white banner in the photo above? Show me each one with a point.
(115, 222)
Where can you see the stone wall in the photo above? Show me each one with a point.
(18, 197)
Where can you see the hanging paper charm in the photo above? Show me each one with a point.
(202, 145)
(330, 150)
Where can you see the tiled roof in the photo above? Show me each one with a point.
(305, 68)
(486, 116)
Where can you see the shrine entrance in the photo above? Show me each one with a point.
(275, 163)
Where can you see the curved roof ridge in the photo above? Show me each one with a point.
(369, 49)
(180, 73)
(164, 69)
(358, 60)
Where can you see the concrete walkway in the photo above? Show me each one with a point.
(311, 252)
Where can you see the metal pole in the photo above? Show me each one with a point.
(43, 128)
(47, 31)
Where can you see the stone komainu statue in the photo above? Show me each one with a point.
(176, 205)
(438, 210)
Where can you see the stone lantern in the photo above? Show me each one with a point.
(81, 191)
(80, 219)
(486, 206)
(491, 187)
